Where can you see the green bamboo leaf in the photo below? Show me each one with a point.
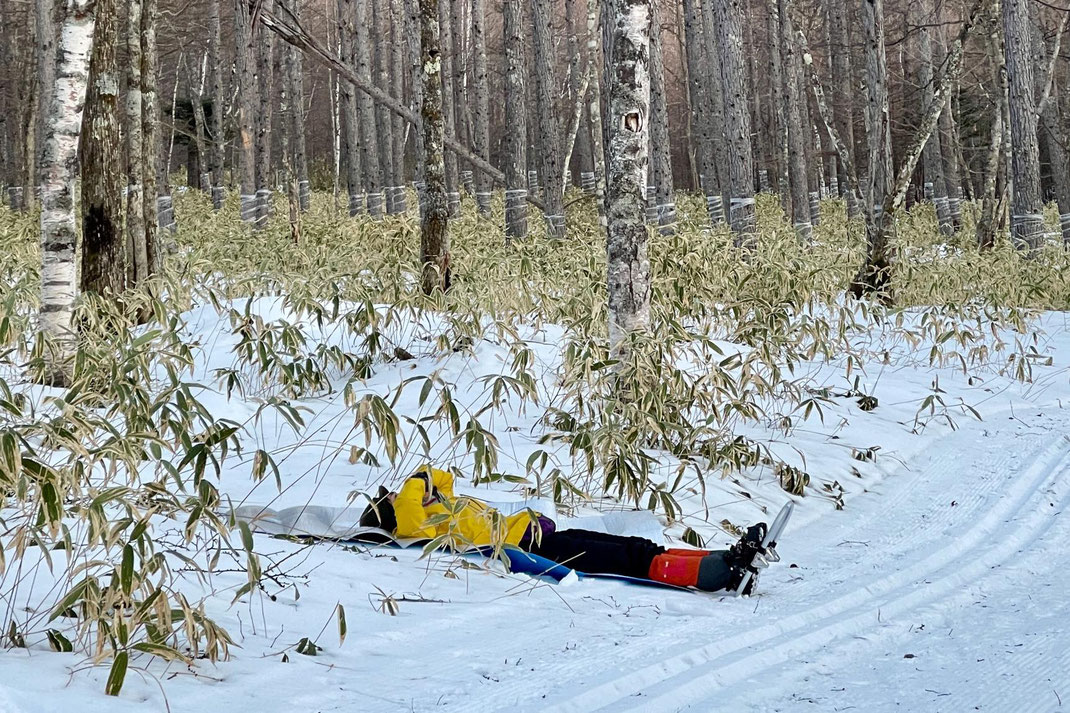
(341, 624)
(117, 675)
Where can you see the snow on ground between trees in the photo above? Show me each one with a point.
(926, 575)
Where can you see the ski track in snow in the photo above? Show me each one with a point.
(866, 582)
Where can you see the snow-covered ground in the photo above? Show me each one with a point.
(939, 586)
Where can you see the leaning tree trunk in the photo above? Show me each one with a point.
(516, 133)
(729, 17)
(434, 234)
(215, 71)
(369, 144)
(481, 133)
(796, 130)
(59, 166)
(661, 208)
(350, 111)
(547, 125)
(628, 274)
(103, 248)
(1027, 220)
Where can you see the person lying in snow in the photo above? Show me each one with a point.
(426, 508)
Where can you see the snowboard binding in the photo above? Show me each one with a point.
(755, 551)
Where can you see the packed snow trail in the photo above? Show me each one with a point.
(925, 597)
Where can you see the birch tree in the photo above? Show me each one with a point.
(628, 276)
(63, 123)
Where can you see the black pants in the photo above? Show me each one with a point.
(598, 552)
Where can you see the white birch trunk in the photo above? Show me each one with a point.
(59, 166)
(628, 278)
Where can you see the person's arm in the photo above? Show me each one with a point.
(443, 481)
(409, 509)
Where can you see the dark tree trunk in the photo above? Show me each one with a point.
(1026, 205)
(103, 241)
(434, 232)
(516, 211)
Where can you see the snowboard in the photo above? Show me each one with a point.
(766, 553)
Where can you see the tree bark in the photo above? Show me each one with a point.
(516, 211)
(448, 124)
(151, 134)
(137, 249)
(397, 81)
(59, 166)
(1027, 207)
(698, 96)
(265, 81)
(46, 35)
(660, 178)
(547, 126)
(103, 241)
(841, 87)
(719, 187)
(369, 144)
(628, 270)
(247, 91)
(796, 130)
(594, 108)
(728, 15)
(384, 127)
(877, 271)
(481, 133)
(935, 185)
(779, 113)
(215, 70)
(350, 111)
(412, 30)
(434, 234)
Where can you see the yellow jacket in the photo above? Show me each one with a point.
(465, 520)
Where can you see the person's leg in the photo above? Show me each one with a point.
(599, 552)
